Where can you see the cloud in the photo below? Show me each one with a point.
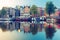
(11, 3)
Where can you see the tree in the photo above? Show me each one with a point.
(50, 8)
(33, 9)
(3, 12)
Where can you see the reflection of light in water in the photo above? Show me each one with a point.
(4, 35)
(9, 35)
(0, 30)
(18, 30)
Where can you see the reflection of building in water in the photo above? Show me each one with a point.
(34, 28)
(11, 26)
(40, 26)
(37, 27)
(17, 25)
(25, 26)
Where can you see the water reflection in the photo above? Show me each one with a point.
(28, 27)
(50, 30)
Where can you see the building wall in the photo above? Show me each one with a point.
(11, 12)
(26, 12)
(57, 12)
(26, 9)
(21, 9)
(17, 13)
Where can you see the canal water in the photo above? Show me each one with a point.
(25, 31)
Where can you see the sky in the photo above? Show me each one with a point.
(39, 3)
